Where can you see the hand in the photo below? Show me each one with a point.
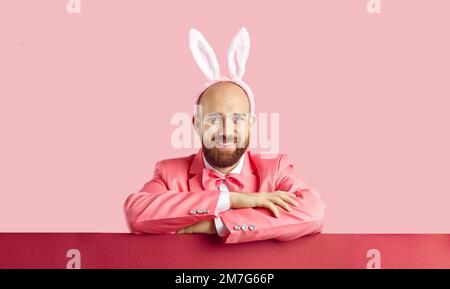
(266, 200)
(205, 227)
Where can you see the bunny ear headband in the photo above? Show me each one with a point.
(237, 57)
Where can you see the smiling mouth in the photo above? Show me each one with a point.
(225, 145)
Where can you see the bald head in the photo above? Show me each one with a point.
(224, 97)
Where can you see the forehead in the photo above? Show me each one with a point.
(224, 97)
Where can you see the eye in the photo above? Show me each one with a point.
(212, 119)
(237, 118)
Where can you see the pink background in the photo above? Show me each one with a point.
(86, 102)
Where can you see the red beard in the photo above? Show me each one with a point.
(224, 159)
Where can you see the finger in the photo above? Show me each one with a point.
(278, 201)
(288, 194)
(289, 200)
(188, 230)
(292, 195)
(272, 208)
(284, 193)
(268, 204)
(180, 231)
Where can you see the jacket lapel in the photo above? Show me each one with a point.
(195, 172)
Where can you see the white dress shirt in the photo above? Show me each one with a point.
(224, 198)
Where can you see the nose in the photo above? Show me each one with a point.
(226, 134)
(226, 138)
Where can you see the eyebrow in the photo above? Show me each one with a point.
(231, 113)
(212, 114)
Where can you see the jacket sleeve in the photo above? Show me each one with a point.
(156, 209)
(260, 224)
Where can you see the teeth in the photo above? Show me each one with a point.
(225, 144)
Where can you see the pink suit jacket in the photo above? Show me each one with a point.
(165, 203)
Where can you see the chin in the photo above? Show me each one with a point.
(223, 158)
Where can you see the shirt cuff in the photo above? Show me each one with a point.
(223, 204)
(222, 231)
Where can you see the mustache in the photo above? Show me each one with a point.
(226, 138)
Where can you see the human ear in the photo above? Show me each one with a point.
(251, 120)
(196, 123)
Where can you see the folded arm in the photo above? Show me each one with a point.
(251, 224)
(156, 209)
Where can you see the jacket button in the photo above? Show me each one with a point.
(193, 212)
(244, 227)
(252, 227)
(237, 227)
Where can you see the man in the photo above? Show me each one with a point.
(225, 189)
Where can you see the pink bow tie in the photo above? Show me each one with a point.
(211, 180)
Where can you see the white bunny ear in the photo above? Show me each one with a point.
(238, 53)
(204, 54)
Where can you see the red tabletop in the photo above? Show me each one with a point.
(116, 250)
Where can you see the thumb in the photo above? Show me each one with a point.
(187, 230)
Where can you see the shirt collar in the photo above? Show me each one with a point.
(237, 169)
